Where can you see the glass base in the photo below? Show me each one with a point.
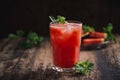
(59, 69)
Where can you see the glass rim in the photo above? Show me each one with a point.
(74, 21)
(69, 21)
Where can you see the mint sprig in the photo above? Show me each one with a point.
(19, 33)
(32, 40)
(108, 29)
(87, 28)
(52, 18)
(12, 36)
(84, 67)
(59, 19)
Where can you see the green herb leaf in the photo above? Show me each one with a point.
(20, 33)
(32, 36)
(108, 29)
(40, 39)
(26, 44)
(32, 40)
(60, 19)
(84, 67)
(87, 28)
(52, 18)
(12, 36)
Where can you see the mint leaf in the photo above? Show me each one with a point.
(52, 18)
(59, 19)
(108, 29)
(12, 36)
(84, 67)
(20, 33)
(32, 40)
(26, 44)
(87, 28)
(40, 39)
(32, 36)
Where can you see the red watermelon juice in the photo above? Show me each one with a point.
(65, 41)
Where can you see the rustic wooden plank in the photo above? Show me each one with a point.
(107, 62)
(3, 43)
(9, 57)
(9, 50)
(36, 63)
(42, 56)
(102, 66)
(29, 62)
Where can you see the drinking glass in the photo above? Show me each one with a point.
(65, 42)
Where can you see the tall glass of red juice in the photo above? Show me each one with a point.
(65, 42)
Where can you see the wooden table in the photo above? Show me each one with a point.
(35, 63)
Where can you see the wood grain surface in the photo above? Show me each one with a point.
(36, 63)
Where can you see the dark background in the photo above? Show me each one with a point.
(32, 15)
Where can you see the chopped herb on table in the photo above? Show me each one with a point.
(18, 34)
(84, 67)
(12, 36)
(32, 39)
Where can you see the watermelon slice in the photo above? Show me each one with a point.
(98, 35)
(92, 41)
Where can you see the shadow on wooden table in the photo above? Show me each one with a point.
(108, 62)
(40, 74)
